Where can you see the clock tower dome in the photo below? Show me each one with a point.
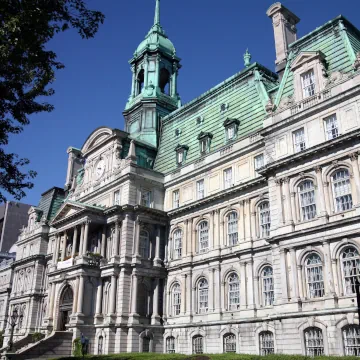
(154, 93)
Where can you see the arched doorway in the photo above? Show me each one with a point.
(65, 308)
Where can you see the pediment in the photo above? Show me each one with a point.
(67, 210)
(305, 57)
(99, 136)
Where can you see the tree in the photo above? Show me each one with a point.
(27, 69)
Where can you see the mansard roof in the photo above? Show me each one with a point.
(338, 41)
(245, 96)
(50, 202)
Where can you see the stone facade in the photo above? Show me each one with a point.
(233, 229)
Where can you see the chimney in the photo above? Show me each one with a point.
(284, 23)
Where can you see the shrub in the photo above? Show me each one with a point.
(36, 336)
(77, 348)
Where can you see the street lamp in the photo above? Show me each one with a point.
(14, 318)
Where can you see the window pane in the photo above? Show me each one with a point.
(203, 294)
(351, 336)
(176, 299)
(233, 291)
(117, 197)
(308, 83)
(200, 189)
(176, 199)
(170, 345)
(314, 342)
(268, 286)
(314, 276)
(203, 236)
(299, 140)
(198, 345)
(177, 244)
(145, 198)
(227, 178)
(351, 269)
(307, 200)
(232, 220)
(230, 343)
(264, 219)
(144, 244)
(342, 190)
(331, 127)
(266, 343)
(259, 161)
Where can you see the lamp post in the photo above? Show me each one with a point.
(13, 320)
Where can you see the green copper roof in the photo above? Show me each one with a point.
(244, 95)
(338, 40)
(51, 201)
(156, 37)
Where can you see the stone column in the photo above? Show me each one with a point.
(157, 260)
(81, 239)
(287, 202)
(300, 281)
(247, 219)
(52, 299)
(338, 289)
(250, 283)
(320, 193)
(194, 238)
(116, 239)
(256, 292)
(133, 82)
(103, 241)
(155, 318)
(136, 238)
(146, 71)
(355, 166)
(242, 221)
(76, 294)
(295, 293)
(193, 301)
(212, 291)
(174, 80)
(81, 295)
(189, 293)
(283, 271)
(134, 291)
(293, 206)
(217, 289)
(326, 187)
(63, 248)
(86, 237)
(243, 302)
(99, 296)
(183, 293)
(223, 304)
(56, 250)
(113, 295)
(329, 279)
(189, 238)
(157, 71)
(279, 201)
(184, 240)
(223, 240)
(253, 226)
(74, 244)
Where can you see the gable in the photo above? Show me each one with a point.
(306, 57)
(99, 136)
(67, 210)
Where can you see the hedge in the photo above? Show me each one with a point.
(146, 356)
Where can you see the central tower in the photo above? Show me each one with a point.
(154, 93)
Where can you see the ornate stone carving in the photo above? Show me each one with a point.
(286, 102)
(356, 64)
(269, 107)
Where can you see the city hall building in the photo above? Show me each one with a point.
(228, 224)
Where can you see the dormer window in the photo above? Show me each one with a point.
(204, 142)
(223, 107)
(231, 128)
(199, 120)
(177, 133)
(181, 151)
(308, 83)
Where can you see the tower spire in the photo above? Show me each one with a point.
(157, 13)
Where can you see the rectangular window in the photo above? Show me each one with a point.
(203, 145)
(176, 199)
(308, 83)
(299, 140)
(200, 189)
(230, 132)
(146, 198)
(259, 161)
(331, 127)
(227, 178)
(180, 157)
(117, 197)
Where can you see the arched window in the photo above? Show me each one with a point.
(264, 219)
(307, 200)
(233, 291)
(314, 276)
(342, 190)
(176, 299)
(177, 244)
(351, 335)
(170, 345)
(144, 244)
(203, 236)
(164, 81)
(146, 344)
(203, 296)
(229, 343)
(267, 283)
(266, 341)
(140, 82)
(314, 342)
(198, 344)
(350, 267)
(100, 345)
(232, 226)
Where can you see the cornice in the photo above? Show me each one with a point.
(28, 259)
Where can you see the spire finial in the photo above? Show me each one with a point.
(157, 13)
(247, 58)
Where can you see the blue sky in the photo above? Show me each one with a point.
(210, 36)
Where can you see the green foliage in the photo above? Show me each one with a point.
(77, 348)
(36, 336)
(143, 356)
(27, 67)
